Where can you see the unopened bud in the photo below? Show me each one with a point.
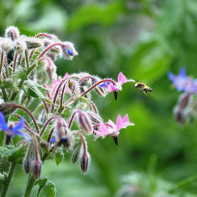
(7, 108)
(76, 152)
(26, 165)
(85, 123)
(84, 162)
(20, 46)
(12, 32)
(33, 43)
(95, 118)
(100, 90)
(36, 168)
(69, 50)
(183, 109)
(74, 87)
(6, 44)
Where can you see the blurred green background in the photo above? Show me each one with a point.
(144, 39)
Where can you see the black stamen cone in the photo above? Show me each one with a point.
(116, 140)
(8, 139)
(115, 95)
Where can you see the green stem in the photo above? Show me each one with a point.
(8, 179)
(27, 59)
(31, 179)
(30, 184)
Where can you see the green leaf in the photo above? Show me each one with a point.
(20, 73)
(12, 153)
(33, 89)
(47, 188)
(41, 182)
(8, 83)
(91, 14)
(59, 156)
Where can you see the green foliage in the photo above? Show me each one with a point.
(47, 188)
(12, 153)
(59, 156)
(33, 89)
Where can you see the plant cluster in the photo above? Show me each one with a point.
(43, 115)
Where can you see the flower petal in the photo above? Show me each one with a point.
(119, 122)
(121, 78)
(23, 134)
(3, 124)
(19, 126)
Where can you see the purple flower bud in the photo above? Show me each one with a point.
(36, 168)
(95, 118)
(84, 162)
(183, 109)
(12, 32)
(76, 152)
(26, 165)
(64, 136)
(85, 123)
(69, 50)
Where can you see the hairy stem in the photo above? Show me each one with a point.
(8, 179)
(96, 84)
(29, 186)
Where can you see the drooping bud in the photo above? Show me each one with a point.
(50, 67)
(26, 165)
(76, 152)
(33, 43)
(85, 123)
(100, 90)
(7, 108)
(95, 119)
(84, 162)
(64, 135)
(12, 32)
(36, 168)
(183, 108)
(69, 50)
(6, 44)
(20, 46)
(74, 87)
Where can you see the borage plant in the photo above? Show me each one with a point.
(38, 107)
(186, 107)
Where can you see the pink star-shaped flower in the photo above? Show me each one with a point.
(113, 129)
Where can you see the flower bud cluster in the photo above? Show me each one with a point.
(60, 110)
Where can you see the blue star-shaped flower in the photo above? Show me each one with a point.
(13, 130)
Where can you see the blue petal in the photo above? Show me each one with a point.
(19, 126)
(3, 124)
(104, 85)
(52, 141)
(182, 73)
(69, 51)
(23, 135)
(171, 76)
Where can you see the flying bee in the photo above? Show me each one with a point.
(143, 87)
